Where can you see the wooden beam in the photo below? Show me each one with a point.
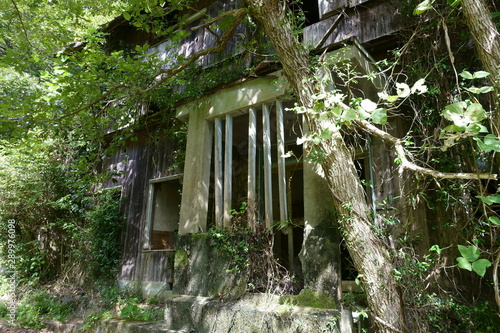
(218, 169)
(268, 181)
(228, 169)
(252, 165)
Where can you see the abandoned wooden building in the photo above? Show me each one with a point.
(242, 149)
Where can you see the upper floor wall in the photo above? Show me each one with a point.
(328, 23)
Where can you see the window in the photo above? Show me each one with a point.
(163, 213)
(256, 161)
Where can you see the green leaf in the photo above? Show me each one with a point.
(423, 7)
(480, 266)
(471, 253)
(126, 16)
(436, 248)
(453, 128)
(480, 74)
(454, 112)
(491, 199)
(392, 98)
(474, 113)
(379, 116)
(464, 263)
(495, 220)
(326, 134)
(490, 143)
(466, 75)
(348, 115)
(476, 128)
(485, 89)
(336, 111)
(454, 3)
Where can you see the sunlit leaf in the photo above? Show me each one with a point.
(379, 116)
(419, 87)
(474, 113)
(466, 75)
(368, 105)
(495, 220)
(480, 74)
(403, 90)
(423, 7)
(480, 266)
(464, 263)
(471, 253)
(348, 115)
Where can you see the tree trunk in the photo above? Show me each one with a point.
(487, 40)
(371, 257)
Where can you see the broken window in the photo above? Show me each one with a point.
(163, 213)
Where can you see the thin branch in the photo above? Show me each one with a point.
(234, 12)
(94, 102)
(22, 23)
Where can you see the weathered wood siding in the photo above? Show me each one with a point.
(138, 162)
(202, 39)
(366, 22)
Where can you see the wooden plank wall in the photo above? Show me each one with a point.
(366, 22)
(202, 38)
(139, 161)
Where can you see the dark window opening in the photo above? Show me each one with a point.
(165, 215)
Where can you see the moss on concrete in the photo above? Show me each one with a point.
(181, 259)
(310, 299)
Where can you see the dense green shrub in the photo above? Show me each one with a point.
(62, 225)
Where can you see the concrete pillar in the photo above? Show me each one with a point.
(320, 253)
(196, 180)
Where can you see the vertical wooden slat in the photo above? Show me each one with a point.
(252, 154)
(280, 127)
(281, 161)
(149, 218)
(228, 174)
(268, 189)
(218, 169)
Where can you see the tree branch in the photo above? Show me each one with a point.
(163, 75)
(94, 102)
(408, 165)
(23, 27)
(166, 74)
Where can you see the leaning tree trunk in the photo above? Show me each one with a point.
(371, 257)
(487, 40)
